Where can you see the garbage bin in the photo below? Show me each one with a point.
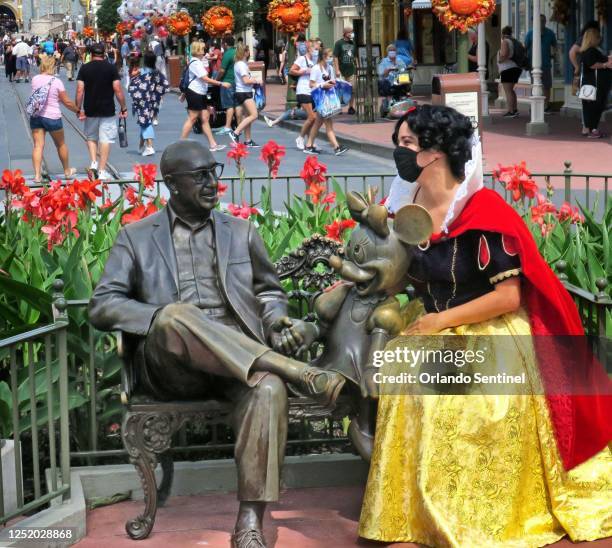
(174, 71)
(257, 70)
(461, 92)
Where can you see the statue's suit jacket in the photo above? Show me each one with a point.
(141, 277)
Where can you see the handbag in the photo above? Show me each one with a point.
(260, 98)
(587, 92)
(326, 102)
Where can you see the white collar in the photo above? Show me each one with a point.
(403, 192)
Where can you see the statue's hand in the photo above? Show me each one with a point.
(292, 337)
(369, 388)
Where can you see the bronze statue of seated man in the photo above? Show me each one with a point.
(197, 288)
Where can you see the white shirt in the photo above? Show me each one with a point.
(241, 70)
(21, 49)
(303, 85)
(508, 63)
(320, 75)
(197, 69)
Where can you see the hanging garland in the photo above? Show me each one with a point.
(560, 11)
(462, 14)
(289, 16)
(89, 32)
(218, 21)
(159, 21)
(180, 23)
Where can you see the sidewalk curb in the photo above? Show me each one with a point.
(367, 147)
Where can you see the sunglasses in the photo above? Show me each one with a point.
(204, 174)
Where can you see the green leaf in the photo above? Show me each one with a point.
(33, 296)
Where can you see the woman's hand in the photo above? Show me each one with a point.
(425, 325)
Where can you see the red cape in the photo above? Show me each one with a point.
(582, 423)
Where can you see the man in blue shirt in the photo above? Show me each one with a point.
(387, 69)
(549, 44)
(48, 46)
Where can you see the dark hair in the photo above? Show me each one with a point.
(590, 25)
(229, 41)
(301, 37)
(149, 59)
(507, 31)
(402, 34)
(441, 128)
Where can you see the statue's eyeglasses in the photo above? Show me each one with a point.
(205, 174)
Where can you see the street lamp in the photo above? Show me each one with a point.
(361, 5)
(329, 10)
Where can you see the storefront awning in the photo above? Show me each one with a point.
(421, 5)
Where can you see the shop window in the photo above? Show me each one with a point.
(434, 45)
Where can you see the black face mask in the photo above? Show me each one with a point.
(406, 163)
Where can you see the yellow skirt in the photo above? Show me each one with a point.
(480, 470)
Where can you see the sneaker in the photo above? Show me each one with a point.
(148, 151)
(93, 165)
(511, 114)
(27, 80)
(156, 122)
(216, 148)
(252, 144)
(299, 142)
(268, 121)
(104, 175)
(311, 150)
(351, 110)
(234, 137)
(340, 150)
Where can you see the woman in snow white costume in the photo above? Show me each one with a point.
(484, 469)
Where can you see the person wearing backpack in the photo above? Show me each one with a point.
(509, 69)
(194, 89)
(48, 92)
(549, 47)
(70, 58)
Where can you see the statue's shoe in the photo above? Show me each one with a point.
(248, 538)
(322, 386)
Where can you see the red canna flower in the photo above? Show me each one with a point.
(271, 154)
(139, 212)
(13, 182)
(315, 192)
(313, 172)
(568, 213)
(221, 188)
(130, 195)
(336, 229)
(237, 152)
(145, 174)
(517, 179)
(86, 191)
(244, 211)
(329, 198)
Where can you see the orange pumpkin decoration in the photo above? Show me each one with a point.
(289, 16)
(124, 27)
(88, 32)
(180, 23)
(218, 21)
(159, 21)
(463, 7)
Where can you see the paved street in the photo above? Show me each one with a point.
(15, 135)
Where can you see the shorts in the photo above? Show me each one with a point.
(147, 132)
(350, 79)
(103, 130)
(195, 101)
(241, 96)
(227, 98)
(48, 124)
(22, 63)
(546, 78)
(304, 99)
(511, 75)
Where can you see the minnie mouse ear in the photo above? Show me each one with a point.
(412, 224)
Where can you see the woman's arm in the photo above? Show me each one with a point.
(573, 57)
(506, 297)
(67, 102)
(214, 82)
(296, 70)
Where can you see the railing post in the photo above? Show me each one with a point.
(567, 172)
(59, 305)
(602, 341)
(560, 268)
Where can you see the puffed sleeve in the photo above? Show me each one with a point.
(497, 256)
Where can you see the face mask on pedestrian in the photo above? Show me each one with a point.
(302, 48)
(351, 35)
(392, 54)
(406, 163)
(330, 61)
(315, 55)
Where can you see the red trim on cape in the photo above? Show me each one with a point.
(581, 423)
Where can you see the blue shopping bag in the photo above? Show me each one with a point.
(326, 102)
(345, 91)
(260, 98)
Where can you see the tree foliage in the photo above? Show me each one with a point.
(107, 16)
